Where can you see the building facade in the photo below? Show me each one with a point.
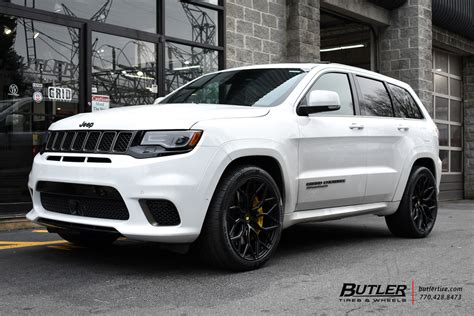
(59, 58)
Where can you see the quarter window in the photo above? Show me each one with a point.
(403, 103)
(339, 83)
(375, 99)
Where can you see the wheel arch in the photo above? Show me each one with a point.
(424, 160)
(268, 163)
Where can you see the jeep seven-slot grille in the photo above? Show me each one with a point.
(89, 141)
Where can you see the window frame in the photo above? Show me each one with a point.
(388, 84)
(361, 101)
(352, 86)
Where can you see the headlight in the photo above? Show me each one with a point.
(164, 143)
(172, 139)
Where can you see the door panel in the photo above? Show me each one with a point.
(333, 157)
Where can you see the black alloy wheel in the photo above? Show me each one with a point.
(244, 221)
(416, 215)
(253, 219)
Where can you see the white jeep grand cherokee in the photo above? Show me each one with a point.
(232, 158)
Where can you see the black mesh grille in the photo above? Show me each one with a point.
(79, 141)
(163, 212)
(123, 140)
(68, 141)
(82, 200)
(106, 141)
(91, 141)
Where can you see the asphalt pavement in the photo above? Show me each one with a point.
(42, 274)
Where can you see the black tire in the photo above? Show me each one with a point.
(416, 215)
(243, 224)
(88, 239)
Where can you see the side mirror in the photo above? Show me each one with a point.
(320, 101)
(158, 100)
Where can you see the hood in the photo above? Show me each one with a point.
(158, 116)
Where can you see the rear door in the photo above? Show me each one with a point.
(332, 149)
(388, 140)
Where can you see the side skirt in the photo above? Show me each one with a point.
(326, 214)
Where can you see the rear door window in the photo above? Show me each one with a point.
(375, 100)
(403, 103)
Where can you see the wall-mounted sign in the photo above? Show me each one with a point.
(37, 86)
(37, 96)
(13, 90)
(100, 102)
(58, 93)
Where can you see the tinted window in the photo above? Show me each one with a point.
(375, 100)
(339, 83)
(250, 87)
(403, 103)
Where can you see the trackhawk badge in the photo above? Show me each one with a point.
(86, 124)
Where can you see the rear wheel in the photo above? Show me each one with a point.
(88, 239)
(418, 208)
(244, 221)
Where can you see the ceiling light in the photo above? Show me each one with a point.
(36, 35)
(140, 73)
(186, 68)
(7, 31)
(341, 48)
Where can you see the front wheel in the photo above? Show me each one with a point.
(244, 222)
(418, 208)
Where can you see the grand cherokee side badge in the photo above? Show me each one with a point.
(86, 124)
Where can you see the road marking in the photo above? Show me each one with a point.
(40, 231)
(22, 244)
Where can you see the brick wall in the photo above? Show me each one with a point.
(469, 127)
(406, 48)
(255, 32)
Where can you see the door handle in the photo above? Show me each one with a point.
(403, 128)
(356, 126)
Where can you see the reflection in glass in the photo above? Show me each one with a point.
(456, 161)
(376, 101)
(455, 111)
(444, 156)
(441, 108)
(137, 14)
(441, 84)
(455, 87)
(455, 65)
(123, 69)
(441, 61)
(191, 22)
(35, 56)
(338, 83)
(185, 63)
(443, 134)
(456, 137)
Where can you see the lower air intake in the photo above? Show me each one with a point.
(161, 212)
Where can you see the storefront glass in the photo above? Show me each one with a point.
(39, 84)
(124, 70)
(136, 14)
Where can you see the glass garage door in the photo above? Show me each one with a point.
(448, 115)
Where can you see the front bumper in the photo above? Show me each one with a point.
(187, 180)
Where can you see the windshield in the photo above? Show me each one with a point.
(250, 87)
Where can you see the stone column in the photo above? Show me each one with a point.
(303, 31)
(468, 73)
(255, 32)
(406, 48)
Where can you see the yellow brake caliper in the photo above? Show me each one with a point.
(260, 211)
